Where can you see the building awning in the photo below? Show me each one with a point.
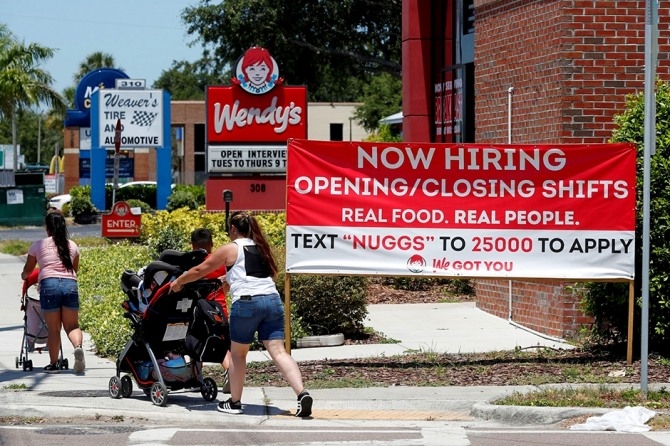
(395, 118)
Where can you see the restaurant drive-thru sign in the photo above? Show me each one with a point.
(123, 221)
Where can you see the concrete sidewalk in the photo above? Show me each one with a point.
(451, 328)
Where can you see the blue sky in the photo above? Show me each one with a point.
(144, 36)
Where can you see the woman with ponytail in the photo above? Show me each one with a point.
(58, 259)
(256, 308)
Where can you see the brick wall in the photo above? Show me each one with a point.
(544, 306)
(571, 64)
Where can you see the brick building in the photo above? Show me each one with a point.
(528, 71)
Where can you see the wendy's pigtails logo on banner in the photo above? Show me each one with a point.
(257, 72)
(416, 264)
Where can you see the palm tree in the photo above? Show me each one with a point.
(94, 61)
(22, 83)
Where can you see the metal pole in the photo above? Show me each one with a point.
(39, 137)
(650, 51)
(510, 90)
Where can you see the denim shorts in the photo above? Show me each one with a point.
(57, 293)
(263, 314)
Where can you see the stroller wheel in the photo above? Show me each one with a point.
(126, 386)
(17, 362)
(208, 390)
(115, 387)
(158, 394)
(64, 364)
(30, 364)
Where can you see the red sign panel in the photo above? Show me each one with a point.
(233, 115)
(249, 193)
(121, 222)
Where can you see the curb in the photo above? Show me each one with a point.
(524, 415)
(331, 340)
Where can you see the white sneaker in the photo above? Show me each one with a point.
(79, 362)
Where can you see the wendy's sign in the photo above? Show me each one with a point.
(234, 115)
(257, 72)
(258, 107)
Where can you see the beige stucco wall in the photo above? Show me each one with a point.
(321, 114)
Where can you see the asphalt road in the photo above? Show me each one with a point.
(452, 434)
(32, 233)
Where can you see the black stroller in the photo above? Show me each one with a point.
(167, 348)
(34, 326)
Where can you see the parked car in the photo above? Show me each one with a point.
(141, 183)
(57, 201)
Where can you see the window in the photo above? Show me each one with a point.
(336, 131)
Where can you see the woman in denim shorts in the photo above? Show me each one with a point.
(58, 259)
(256, 307)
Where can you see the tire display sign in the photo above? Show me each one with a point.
(563, 211)
(140, 113)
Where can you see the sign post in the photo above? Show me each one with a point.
(117, 149)
(227, 198)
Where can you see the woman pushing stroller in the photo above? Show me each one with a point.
(256, 307)
(58, 260)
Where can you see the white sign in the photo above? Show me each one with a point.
(8, 158)
(15, 196)
(236, 158)
(85, 138)
(50, 183)
(141, 115)
(130, 84)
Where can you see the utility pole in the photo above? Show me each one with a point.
(650, 57)
(39, 136)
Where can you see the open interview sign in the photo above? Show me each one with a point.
(140, 113)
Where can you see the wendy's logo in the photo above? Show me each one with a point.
(416, 263)
(257, 72)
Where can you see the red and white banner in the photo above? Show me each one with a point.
(564, 211)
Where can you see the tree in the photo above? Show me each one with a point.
(22, 82)
(333, 47)
(93, 62)
(187, 81)
(381, 97)
(608, 302)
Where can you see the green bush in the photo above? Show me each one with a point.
(325, 304)
(101, 314)
(607, 302)
(452, 286)
(144, 207)
(182, 199)
(196, 190)
(145, 193)
(81, 206)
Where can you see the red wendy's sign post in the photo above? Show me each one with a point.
(121, 222)
(248, 125)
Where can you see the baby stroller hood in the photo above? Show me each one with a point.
(30, 281)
